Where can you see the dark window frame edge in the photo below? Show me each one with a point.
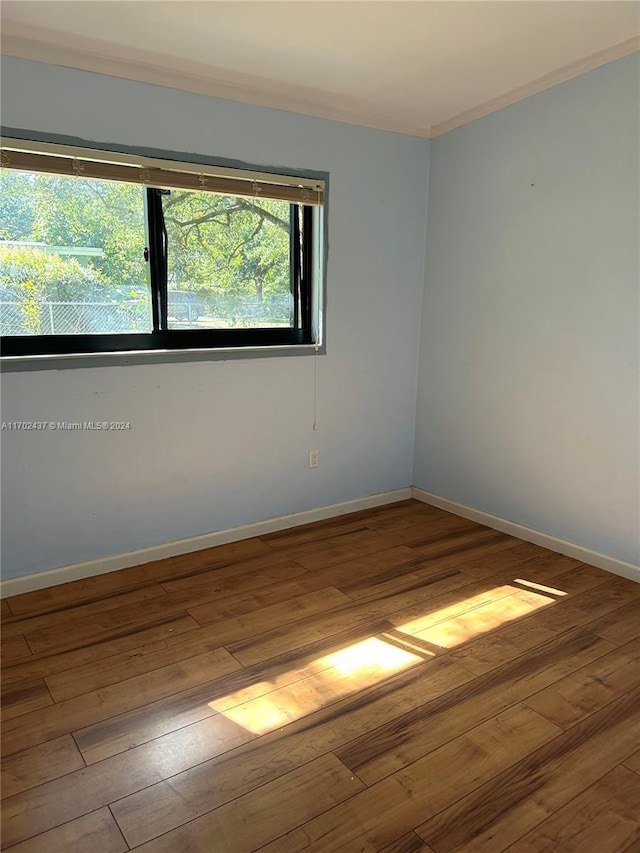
(70, 361)
(13, 363)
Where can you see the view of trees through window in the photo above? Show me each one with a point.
(72, 258)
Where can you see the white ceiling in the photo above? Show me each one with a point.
(417, 67)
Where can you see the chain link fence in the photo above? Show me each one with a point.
(247, 310)
(32, 317)
(71, 318)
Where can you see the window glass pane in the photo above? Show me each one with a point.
(71, 256)
(228, 261)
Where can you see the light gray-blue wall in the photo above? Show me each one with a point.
(528, 378)
(527, 387)
(219, 444)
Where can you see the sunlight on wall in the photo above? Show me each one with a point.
(268, 705)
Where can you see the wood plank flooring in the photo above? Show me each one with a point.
(398, 680)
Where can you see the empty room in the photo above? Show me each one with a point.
(320, 509)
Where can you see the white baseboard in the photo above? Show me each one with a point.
(64, 574)
(593, 558)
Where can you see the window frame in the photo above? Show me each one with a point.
(307, 269)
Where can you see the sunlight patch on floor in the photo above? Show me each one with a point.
(415, 627)
(327, 679)
(271, 704)
(551, 590)
(477, 619)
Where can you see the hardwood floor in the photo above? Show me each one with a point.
(398, 680)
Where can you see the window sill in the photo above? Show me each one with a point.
(20, 364)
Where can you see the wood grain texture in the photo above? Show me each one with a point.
(102, 624)
(621, 626)
(258, 622)
(14, 648)
(92, 832)
(410, 843)
(40, 809)
(608, 810)
(509, 641)
(398, 680)
(276, 592)
(388, 748)
(384, 811)
(265, 568)
(633, 762)
(591, 687)
(42, 665)
(64, 717)
(256, 818)
(154, 656)
(264, 759)
(27, 697)
(31, 624)
(113, 583)
(496, 815)
(40, 764)
(153, 720)
(503, 563)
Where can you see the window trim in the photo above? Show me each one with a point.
(194, 344)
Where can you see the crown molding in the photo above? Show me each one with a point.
(568, 72)
(143, 66)
(54, 48)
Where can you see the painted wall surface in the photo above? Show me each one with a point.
(214, 445)
(528, 377)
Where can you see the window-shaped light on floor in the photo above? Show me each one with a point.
(315, 685)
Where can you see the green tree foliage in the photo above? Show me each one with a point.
(58, 279)
(97, 214)
(30, 277)
(17, 205)
(227, 243)
(231, 251)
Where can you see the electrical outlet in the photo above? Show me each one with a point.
(314, 460)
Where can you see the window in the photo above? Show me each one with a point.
(105, 252)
